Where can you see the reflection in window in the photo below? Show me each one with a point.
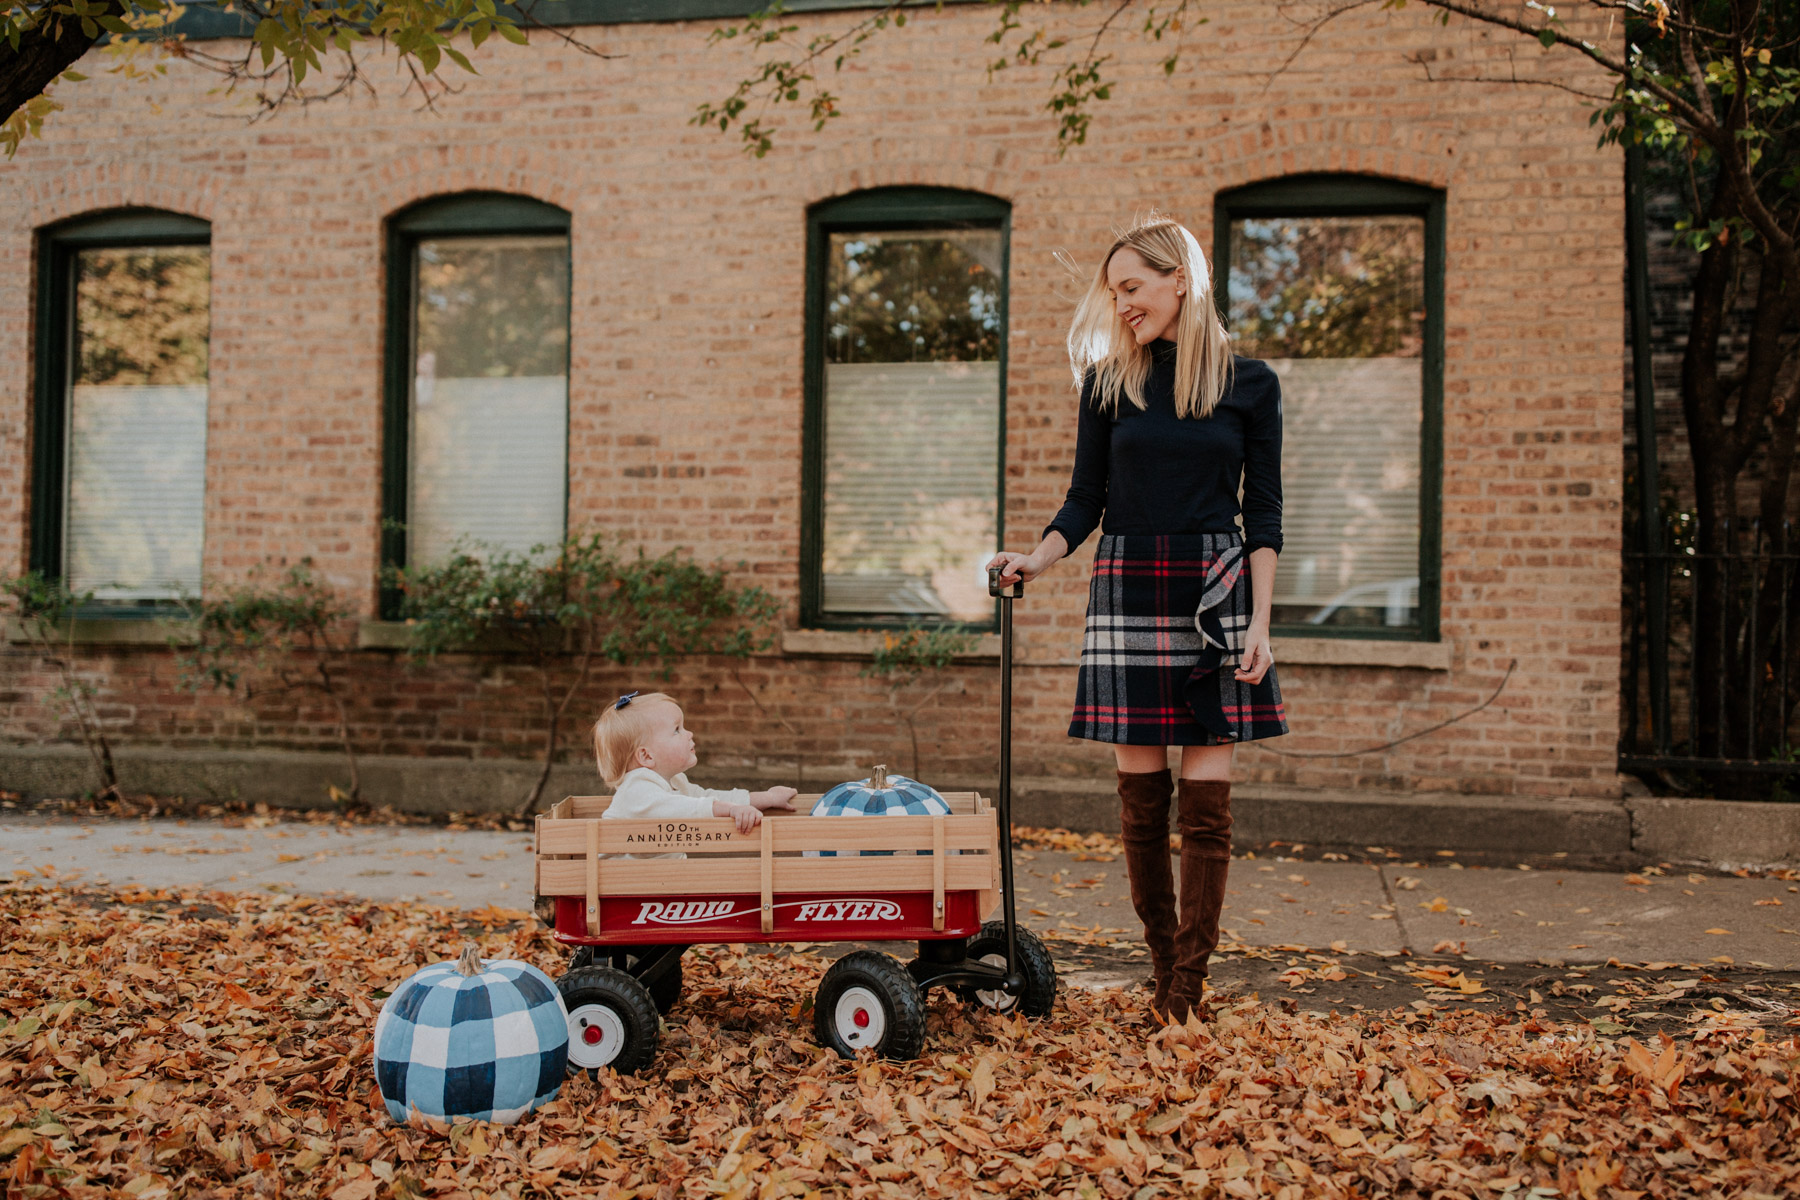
(136, 465)
(489, 418)
(1336, 305)
(912, 423)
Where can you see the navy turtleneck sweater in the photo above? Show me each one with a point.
(1150, 472)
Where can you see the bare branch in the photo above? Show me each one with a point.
(1512, 80)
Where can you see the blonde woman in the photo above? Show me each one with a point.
(1177, 646)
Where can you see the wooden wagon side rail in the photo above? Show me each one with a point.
(576, 855)
(961, 804)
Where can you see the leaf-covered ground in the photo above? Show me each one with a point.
(195, 1044)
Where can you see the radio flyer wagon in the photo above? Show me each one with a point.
(933, 880)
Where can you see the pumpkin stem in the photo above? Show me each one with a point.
(879, 779)
(470, 962)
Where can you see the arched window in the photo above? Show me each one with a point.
(905, 406)
(1337, 281)
(477, 377)
(119, 440)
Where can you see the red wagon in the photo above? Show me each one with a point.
(933, 880)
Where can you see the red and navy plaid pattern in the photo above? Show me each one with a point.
(1165, 629)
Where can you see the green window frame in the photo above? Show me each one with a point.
(59, 248)
(201, 23)
(1339, 195)
(465, 214)
(881, 210)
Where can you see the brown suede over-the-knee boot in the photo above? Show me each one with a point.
(1204, 818)
(1144, 828)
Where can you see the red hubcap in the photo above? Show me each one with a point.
(591, 1035)
(861, 1018)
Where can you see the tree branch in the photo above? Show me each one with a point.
(45, 53)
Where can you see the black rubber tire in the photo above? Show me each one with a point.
(1035, 964)
(893, 987)
(665, 991)
(628, 1001)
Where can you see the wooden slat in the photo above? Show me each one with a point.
(790, 834)
(591, 871)
(961, 804)
(678, 877)
(937, 872)
(573, 807)
(887, 833)
(766, 860)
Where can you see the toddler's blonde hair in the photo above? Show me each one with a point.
(619, 732)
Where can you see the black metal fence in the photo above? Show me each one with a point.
(1710, 676)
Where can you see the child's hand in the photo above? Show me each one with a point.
(747, 816)
(776, 799)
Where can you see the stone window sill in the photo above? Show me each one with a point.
(858, 643)
(1298, 651)
(114, 631)
(383, 635)
(1362, 652)
(795, 643)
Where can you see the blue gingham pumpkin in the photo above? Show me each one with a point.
(472, 1039)
(880, 795)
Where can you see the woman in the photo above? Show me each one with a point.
(1177, 645)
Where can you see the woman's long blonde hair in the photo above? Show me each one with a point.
(1098, 338)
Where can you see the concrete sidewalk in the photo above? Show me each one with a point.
(1619, 833)
(1422, 907)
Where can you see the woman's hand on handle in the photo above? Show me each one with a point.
(1016, 567)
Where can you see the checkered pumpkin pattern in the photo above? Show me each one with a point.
(892, 796)
(491, 1046)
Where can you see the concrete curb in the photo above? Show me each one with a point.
(1727, 833)
(1617, 832)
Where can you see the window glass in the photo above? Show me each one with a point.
(490, 397)
(1336, 305)
(912, 423)
(136, 466)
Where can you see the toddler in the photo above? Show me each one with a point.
(643, 748)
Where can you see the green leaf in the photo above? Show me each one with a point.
(511, 33)
(1547, 37)
(457, 57)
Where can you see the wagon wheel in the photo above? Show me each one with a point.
(665, 989)
(1035, 963)
(867, 1000)
(612, 1020)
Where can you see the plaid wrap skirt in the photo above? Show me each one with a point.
(1166, 621)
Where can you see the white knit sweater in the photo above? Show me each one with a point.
(645, 795)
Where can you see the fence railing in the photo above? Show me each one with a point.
(1710, 676)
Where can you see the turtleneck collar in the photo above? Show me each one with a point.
(1162, 348)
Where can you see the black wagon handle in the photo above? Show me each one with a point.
(1006, 594)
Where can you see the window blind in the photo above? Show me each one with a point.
(1350, 481)
(911, 477)
(137, 490)
(488, 461)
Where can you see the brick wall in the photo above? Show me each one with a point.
(685, 386)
